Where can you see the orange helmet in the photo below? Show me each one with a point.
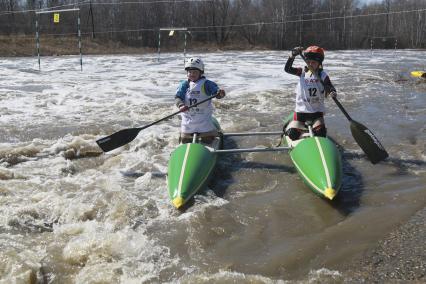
(314, 53)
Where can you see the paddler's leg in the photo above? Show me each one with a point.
(295, 128)
(318, 128)
(208, 137)
(185, 138)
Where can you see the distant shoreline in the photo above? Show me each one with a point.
(23, 46)
(12, 46)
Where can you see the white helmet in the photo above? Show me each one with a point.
(194, 63)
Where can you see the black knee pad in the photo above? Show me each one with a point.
(320, 130)
(293, 133)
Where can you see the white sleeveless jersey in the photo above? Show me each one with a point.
(310, 93)
(199, 118)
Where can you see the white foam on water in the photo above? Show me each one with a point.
(57, 189)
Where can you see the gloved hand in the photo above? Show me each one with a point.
(333, 94)
(296, 51)
(183, 108)
(220, 94)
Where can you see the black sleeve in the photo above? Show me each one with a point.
(328, 86)
(290, 69)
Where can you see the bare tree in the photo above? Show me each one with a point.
(225, 14)
(278, 24)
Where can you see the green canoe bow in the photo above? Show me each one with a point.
(318, 162)
(190, 168)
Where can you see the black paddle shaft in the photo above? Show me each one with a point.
(342, 108)
(125, 136)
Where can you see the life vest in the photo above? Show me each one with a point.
(310, 93)
(197, 119)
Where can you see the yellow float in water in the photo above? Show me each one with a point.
(418, 74)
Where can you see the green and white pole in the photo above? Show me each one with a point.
(37, 42)
(79, 41)
(184, 50)
(159, 44)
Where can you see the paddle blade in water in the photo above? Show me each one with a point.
(368, 142)
(118, 139)
(418, 74)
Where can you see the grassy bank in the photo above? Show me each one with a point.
(50, 46)
(26, 46)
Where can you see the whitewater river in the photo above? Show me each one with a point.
(69, 215)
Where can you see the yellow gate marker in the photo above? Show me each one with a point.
(56, 18)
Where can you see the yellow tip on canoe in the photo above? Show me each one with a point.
(418, 74)
(330, 193)
(178, 202)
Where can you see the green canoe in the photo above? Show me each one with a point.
(318, 162)
(190, 168)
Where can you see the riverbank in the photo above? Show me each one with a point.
(53, 46)
(399, 258)
(26, 46)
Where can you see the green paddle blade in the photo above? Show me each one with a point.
(118, 139)
(368, 142)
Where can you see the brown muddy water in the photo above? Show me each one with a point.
(69, 215)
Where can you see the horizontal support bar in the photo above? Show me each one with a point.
(173, 29)
(57, 11)
(253, 133)
(244, 150)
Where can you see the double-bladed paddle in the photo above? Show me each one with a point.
(125, 136)
(362, 135)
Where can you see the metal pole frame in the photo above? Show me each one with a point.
(78, 32)
(56, 11)
(185, 30)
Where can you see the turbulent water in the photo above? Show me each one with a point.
(69, 215)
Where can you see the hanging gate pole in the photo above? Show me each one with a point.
(159, 43)
(79, 41)
(38, 33)
(184, 50)
(37, 43)
(171, 30)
